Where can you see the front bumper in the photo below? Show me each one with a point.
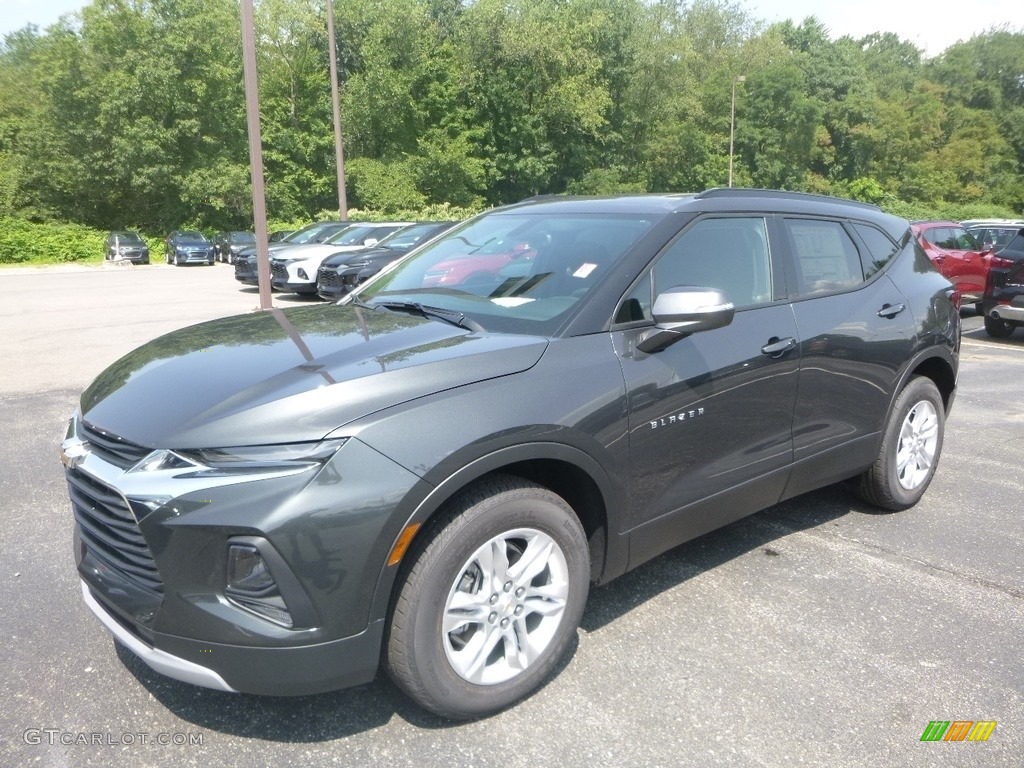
(195, 257)
(161, 661)
(296, 671)
(152, 553)
(1007, 312)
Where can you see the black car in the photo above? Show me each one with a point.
(342, 272)
(188, 247)
(1003, 301)
(433, 473)
(311, 234)
(229, 244)
(125, 245)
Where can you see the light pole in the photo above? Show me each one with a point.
(252, 114)
(339, 153)
(732, 120)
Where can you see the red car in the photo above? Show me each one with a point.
(484, 265)
(957, 255)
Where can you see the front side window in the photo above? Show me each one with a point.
(826, 258)
(730, 254)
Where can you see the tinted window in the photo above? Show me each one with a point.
(826, 258)
(992, 237)
(728, 254)
(937, 236)
(962, 239)
(880, 249)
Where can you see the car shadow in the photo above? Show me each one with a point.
(328, 716)
(612, 601)
(298, 298)
(980, 334)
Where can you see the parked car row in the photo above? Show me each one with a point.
(982, 258)
(332, 266)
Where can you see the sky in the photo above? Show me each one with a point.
(932, 25)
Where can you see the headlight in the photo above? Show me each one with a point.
(263, 458)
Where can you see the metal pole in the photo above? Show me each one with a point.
(252, 112)
(339, 152)
(732, 121)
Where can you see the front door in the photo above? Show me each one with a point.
(711, 416)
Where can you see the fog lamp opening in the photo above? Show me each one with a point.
(247, 570)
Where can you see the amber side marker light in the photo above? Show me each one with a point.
(404, 540)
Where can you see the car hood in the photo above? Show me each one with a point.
(365, 254)
(318, 251)
(290, 376)
(250, 250)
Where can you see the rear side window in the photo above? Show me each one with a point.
(826, 258)
(880, 249)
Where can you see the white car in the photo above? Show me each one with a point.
(293, 270)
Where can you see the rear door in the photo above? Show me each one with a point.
(855, 330)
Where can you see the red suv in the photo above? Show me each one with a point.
(957, 255)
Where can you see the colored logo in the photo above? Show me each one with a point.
(958, 730)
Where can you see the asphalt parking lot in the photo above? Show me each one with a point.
(815, 633)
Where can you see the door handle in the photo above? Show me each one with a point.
(891, 310)
(777, 347)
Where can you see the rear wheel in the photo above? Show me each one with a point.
(996, 328)
(491, 598)
(910, 448)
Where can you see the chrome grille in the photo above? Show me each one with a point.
(112, 448)
(109, 531)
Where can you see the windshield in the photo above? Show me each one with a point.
(311, 232)
(408, 237)
(190, 235)
(519, 272)
(353, 235)
(243, 237)
(127, 237)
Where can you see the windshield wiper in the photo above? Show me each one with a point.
(447, 315)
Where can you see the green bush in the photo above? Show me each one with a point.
(945, 211)
(24, 242)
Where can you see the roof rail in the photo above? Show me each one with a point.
(775, 193)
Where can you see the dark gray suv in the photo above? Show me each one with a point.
(431, 474)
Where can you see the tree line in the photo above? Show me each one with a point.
(132, 112)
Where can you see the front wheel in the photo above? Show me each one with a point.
(492, 595)
(910, 448)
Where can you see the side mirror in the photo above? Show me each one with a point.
(683, 310)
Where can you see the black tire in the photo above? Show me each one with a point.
(998, 329)
(916, 424)
(499, 514)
